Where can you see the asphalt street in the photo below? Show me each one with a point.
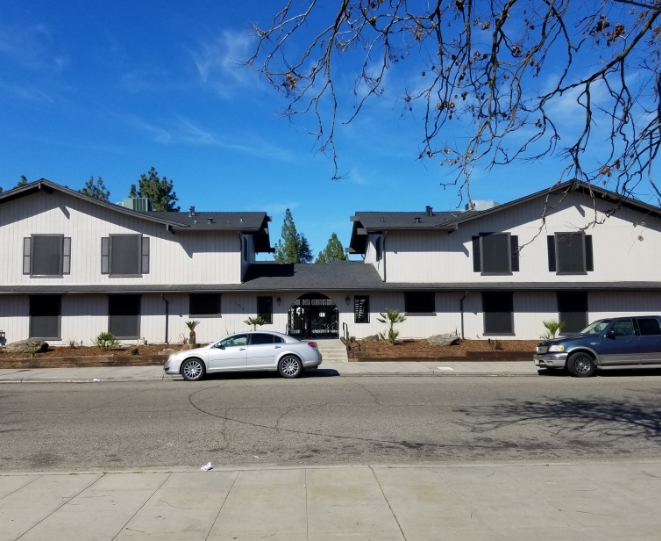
(262, 419)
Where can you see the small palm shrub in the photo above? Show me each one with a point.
(552, 328)
(192, 336)
(255, 322)
(391, 318)
(106, 341)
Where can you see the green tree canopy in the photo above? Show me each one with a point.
(334, 251)
(22, 182)
(97, 189)
(292, 247)
(158, 191)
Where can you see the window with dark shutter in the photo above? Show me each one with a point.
(125, 255)
(420, 302)
(265, 309)
(496, 253)
(361, 309)
(46, 255)
(570, 253)
(124, 316)
(204, 305)
(45, 312)
(589, 258)
(498, 308)
(573, 311)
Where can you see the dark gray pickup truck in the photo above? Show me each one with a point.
(618, 342)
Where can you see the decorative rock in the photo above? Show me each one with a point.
(24, 346)
(443, 339)
(371, 338)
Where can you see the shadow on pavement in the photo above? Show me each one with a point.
(250, 376)
(617, 373)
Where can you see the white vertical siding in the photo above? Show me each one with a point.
(187, 257)
(624, 249)
(14, 317)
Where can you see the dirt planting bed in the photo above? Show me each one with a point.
(464, 350)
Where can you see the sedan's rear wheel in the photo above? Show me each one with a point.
(581, 365)
(193, 369)
(290, 366)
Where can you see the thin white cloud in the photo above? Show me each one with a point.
(219, 62)
(31, 47)
(27, 93)
(254, 146)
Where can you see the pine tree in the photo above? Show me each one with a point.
(292, 247)
(22, 182)
(96, 190)
(158, 191)
(334, 251)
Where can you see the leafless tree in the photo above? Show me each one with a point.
(501, 70)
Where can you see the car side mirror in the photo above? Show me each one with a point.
(610, 334)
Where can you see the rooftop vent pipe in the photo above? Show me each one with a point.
(210, 220)
(428, 211)
(417, 220)
(191, 211)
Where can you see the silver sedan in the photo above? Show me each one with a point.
(254, 350)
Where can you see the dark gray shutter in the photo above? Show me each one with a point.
(145, 255)
(550, 240)
(477, 265)
(105, 255)
(514, 252)
(589, 259)
(379, 248)
(27, 255)
(66, 255)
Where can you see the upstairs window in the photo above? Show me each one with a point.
(570, 253)
(46, 255)
(378, 246)
(496, 253)
(423, 302)
(204, 305)
(125, 255)
(265, 309)
(361, 309)
(244, 248)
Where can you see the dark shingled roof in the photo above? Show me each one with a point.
(221, 221)
(372, 222)
(247, 222)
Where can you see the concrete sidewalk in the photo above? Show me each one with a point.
(155, 373)
(570, 502)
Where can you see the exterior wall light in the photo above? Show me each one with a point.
(278, 300)
(348, 300)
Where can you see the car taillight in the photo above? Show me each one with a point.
(312, 345)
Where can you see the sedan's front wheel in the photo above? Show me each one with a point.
(581, 365)
(193, 369)
(290, 366)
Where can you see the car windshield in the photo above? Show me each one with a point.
(597, 327)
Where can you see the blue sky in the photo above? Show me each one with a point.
(111, 89)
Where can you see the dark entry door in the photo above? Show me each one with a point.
(313, 316)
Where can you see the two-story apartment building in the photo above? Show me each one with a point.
(72, 267)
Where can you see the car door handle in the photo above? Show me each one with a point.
(242, 349)
(278, 347)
